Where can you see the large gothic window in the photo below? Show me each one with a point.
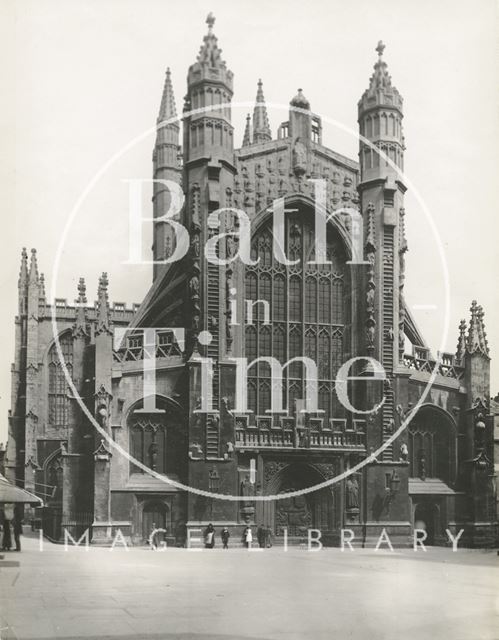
(307, 311)
(432, 446)
(58, 386)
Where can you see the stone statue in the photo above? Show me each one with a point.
(352, 493)
(299, 157)
(247, 491)
(153, 454)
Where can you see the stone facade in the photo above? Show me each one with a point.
(437, 474)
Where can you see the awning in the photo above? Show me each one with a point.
(430, 486)
(9, 493)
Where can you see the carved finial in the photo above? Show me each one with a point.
(476, 335)
(484, 345)
(82, 291)
(23, 273)
(461, 343)
(300, 100)
(33, 268)
(103, 314)
(42, 286)
(210, 21)
(80, 326)
(380, 48)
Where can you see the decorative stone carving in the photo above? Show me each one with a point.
(272, 468)
(402, 250)
(370, 250)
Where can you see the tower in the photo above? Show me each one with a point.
(381, 191)
(208, 153)
(209, 169)
(166, 166)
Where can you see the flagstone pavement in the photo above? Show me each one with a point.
(248, 595)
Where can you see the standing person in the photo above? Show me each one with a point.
(8, 516)
(268, 537)
(247, 537)
(260, 536)
(18, 526)
(225, 535)
(209, 537)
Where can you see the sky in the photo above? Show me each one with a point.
(80, 80)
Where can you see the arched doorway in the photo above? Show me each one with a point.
(154, 516)
(425, 517)
(297, 514)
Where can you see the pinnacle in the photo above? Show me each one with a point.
(477, 338)
(261, 127)
(167, 108)
(247, 132)
(23, 272)
(82, 291)
(33, 267)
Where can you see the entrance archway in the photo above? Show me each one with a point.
(309, 511)
(426, 518)
(154, 516)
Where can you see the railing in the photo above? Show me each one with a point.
(422, 361)
(134, 348)
(289, 436)
(53, 522)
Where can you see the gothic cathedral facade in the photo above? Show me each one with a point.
(436, 474)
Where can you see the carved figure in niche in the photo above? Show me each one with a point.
(195, 451)
(352, 493)
(370, 297)
(299, 157)
(195, 245)
(370, 334)
(247, 491)
(194, 286)
(230, 247)
(422, 464)
(404, 452)
(153, 455)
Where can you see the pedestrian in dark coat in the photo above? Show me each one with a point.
(209, 537)
(225, 535)
(260, 536)
(8, 515)
(18, 530)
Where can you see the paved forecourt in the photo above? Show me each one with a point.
(244, 595)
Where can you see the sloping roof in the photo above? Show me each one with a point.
(430, 486)
(10, 493)
(144, 482)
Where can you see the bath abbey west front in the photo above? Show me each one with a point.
(437, 474)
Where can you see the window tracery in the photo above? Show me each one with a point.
(58, 401)
(307, 310)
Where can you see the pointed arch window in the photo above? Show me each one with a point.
(307, 311)
(58, 400)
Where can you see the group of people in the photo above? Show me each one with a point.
(263, 536)
(11, 523)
